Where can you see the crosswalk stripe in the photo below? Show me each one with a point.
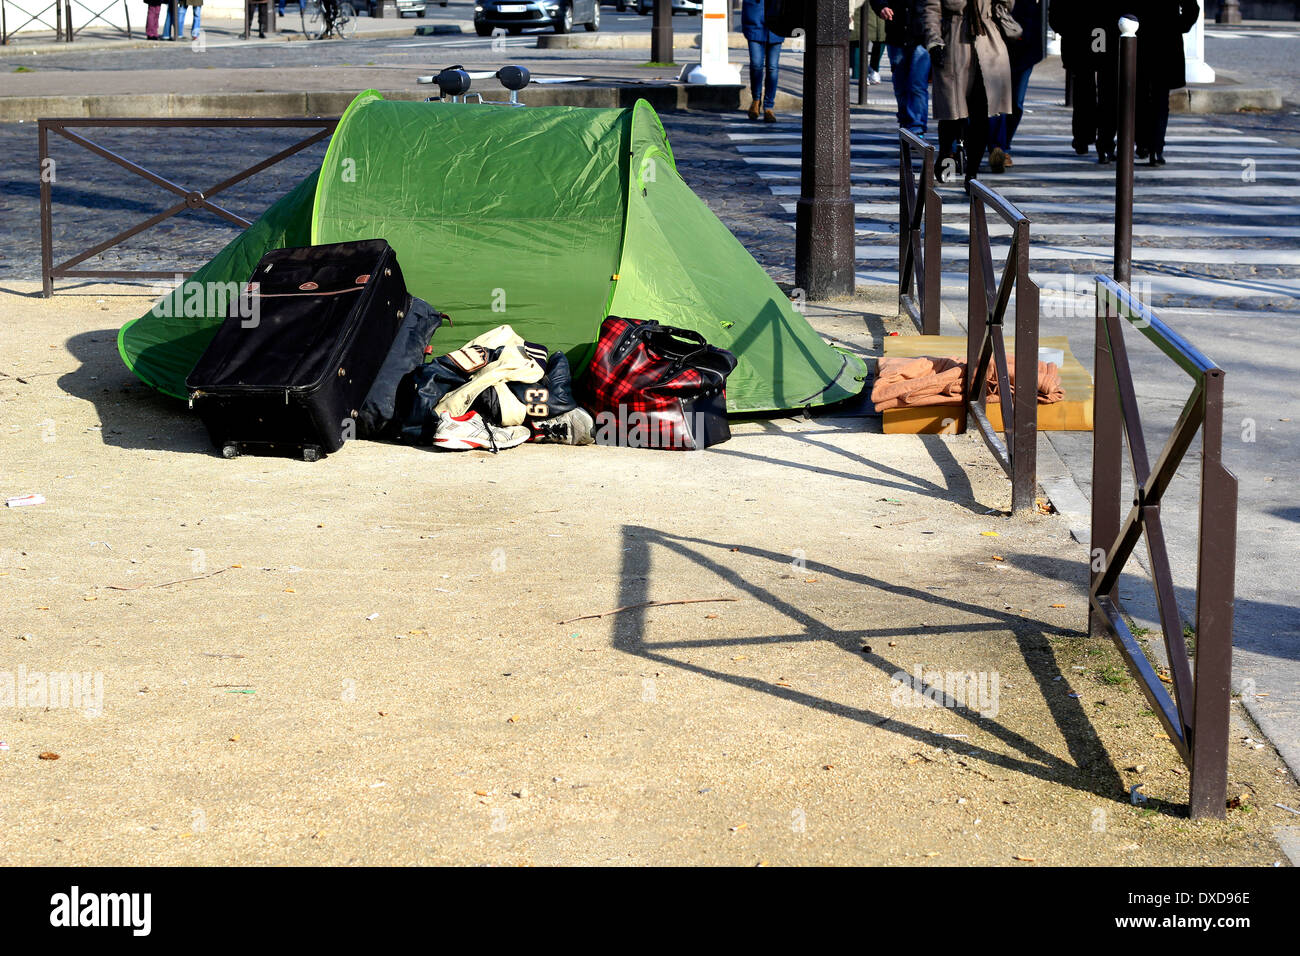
(1094, 209)
(1231, 204)
(1182, 286)
(958, 230)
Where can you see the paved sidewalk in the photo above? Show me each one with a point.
(261, 714)
(389, 656)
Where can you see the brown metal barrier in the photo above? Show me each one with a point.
(986, 305)
(1196, 719)
(190, 198)
(57, 26)
(920, 236)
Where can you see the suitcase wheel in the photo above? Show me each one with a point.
(230, 450)
(311, 453)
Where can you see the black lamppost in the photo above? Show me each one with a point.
(661, 32)
(824, 214)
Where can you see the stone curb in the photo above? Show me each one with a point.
(663, 97)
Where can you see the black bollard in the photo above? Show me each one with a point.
(1124, 151)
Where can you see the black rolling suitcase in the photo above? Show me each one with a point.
(288, 371)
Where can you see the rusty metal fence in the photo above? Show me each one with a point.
(920, 236)
(1196, 718)
(188, 198)
(987, 300)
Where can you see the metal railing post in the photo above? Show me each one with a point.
(1024, 436)
(1107, 455)
(920, 210)
(1124, 151)
(47, 226)
(1215, 586)
(68, 32)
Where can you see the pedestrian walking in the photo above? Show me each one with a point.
(909, 60)
(1089, 31)
(181, 7)
(151, 20)
(1025, 50)
(283, 3)
(972, 78)
(869, 29)
(1161, 67)
(764, 59)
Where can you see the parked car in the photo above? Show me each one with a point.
(516, 15)
(619, 5)
(679, 6)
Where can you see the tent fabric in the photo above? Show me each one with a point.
(545, 218)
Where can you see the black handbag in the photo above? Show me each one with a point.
(1009, 25)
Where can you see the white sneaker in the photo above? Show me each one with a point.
(572, 428)
(469, 431)
(873, 76)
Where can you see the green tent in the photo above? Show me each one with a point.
(546, 219)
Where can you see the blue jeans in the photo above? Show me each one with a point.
(1002, 128)
(911, 69)
(764, 62)
(283, 3)
(180, 16)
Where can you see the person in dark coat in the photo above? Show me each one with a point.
(909, 60)
(1161, 67)
(764, 59)
(1026, 51)
(1089, 31)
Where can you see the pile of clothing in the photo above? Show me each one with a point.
(914, 382)
(495, 392)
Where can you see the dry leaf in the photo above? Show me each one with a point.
(709, 617)
(990, 534)
(1056, 605)
(998, 557)
(1024, 859)
(480, 793)
(809, 580)
(738, 827)
(513, 719)
(47, 755)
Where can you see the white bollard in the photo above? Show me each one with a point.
(714, 69)
(1198, 71)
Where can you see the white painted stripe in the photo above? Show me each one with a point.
(951, 209)
(891, 147)
(1231, 205)
(1042, 252)
(1099, 228)
(1051, 282)
(883, 174)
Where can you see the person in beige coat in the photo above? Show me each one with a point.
(972, 75)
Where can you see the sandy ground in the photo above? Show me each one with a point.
(366, 663)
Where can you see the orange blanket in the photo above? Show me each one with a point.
(913, 382)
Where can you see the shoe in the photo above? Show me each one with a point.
(769, 116)
(997, 159)
(873, 76)
(1141, 153)
(1157, 159)
(469, 431)
(1081, 150)
(1104, 159)
(753, 109)
(572, 428)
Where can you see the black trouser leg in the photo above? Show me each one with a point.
(977, 125)
(1107, 106)
(1083, 123)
